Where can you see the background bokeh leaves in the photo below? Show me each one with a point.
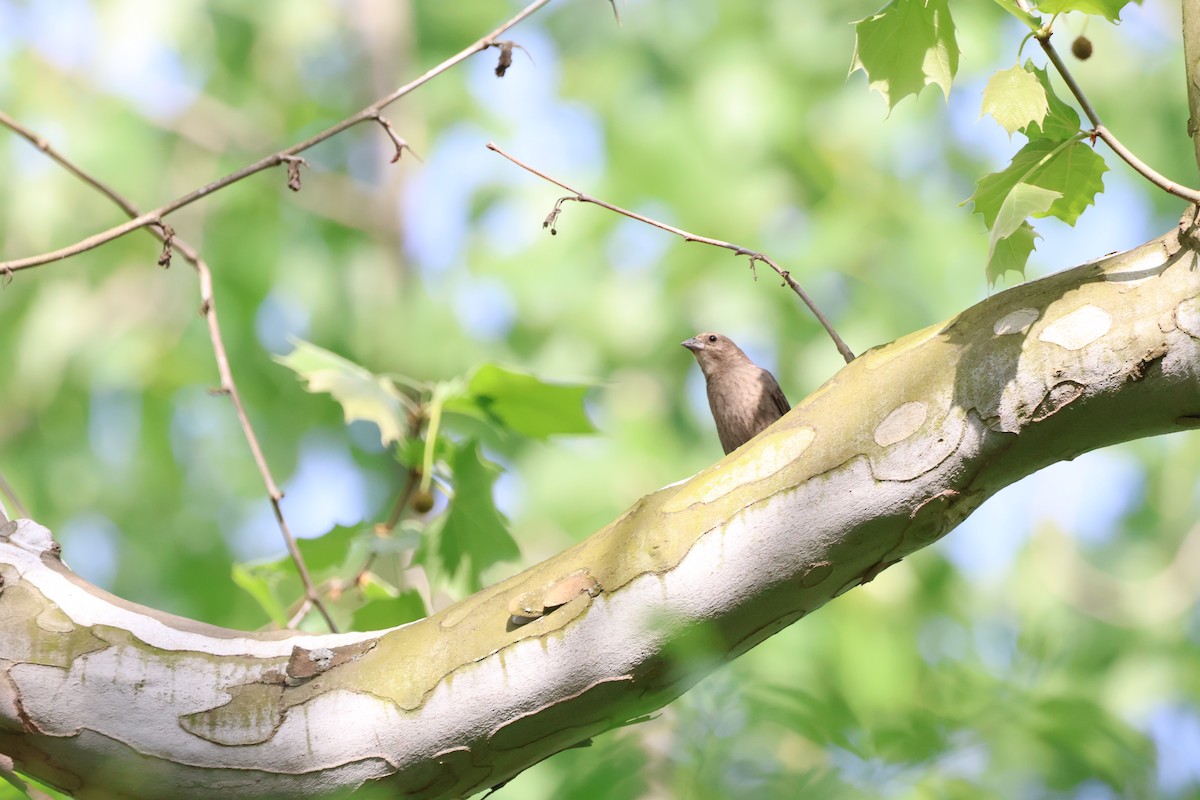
(970, 670)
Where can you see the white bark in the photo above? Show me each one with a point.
(106, 699)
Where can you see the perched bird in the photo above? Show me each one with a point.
(743, 396)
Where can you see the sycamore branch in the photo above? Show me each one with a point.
(108, 699)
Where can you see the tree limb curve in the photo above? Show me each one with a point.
(106, 699)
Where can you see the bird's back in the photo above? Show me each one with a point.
(744, 401)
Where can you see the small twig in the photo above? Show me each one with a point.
(275, 159)
(754, 256)
(1098, 129)
(301, 612)
(411, 482)
(400, 143)
(166, 235)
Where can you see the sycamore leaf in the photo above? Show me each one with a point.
(1011, 241)
(1061, 121)
(906, 47)
(1011, 7)
(522, 402)
(330, 550)
(362, 394)
(1071, 169)
(1075, 172)
(386, 607)
(473, 534)
(1015, 98)
(1010, 253)
(1024, 201)
(1109, 9)
(992, 190)
(263, 582)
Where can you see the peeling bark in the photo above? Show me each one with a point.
(107, 699)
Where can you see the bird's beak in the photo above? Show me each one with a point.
(693, 344)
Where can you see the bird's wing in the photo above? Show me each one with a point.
(775, 394)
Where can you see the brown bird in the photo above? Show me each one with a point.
(743, 396)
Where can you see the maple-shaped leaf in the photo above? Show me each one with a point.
(905, 47)
(522, 402)
(361, 393)
(1015, 98)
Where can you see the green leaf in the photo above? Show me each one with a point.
(906, 47)
(1069, 168)
(1010, 253)
(1024, 201)
(329, 550)
(387, 612)
(1076, 173)
(473, 535)
(1061, 121)
(992, 190)
(1015, 98)
(362, 394)
(1109, 9)
(1029, 19)
(261, 581)
(522, 402)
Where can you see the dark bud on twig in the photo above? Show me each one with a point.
(506, 56)
(552, 219)
(164, 258)
(505, 60)
(8, 275)
(1081, 48)
(293, 168)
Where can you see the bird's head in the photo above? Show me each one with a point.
(714, 351)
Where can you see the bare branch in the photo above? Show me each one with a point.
(371, 112)
(208, 310)
(754, 256)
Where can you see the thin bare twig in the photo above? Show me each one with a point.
(754, 256)
(1098, 130)
(400, 143)
(208, 308)
(371, 112)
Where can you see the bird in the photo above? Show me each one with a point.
(744, 397)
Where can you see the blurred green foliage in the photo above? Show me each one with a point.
(951, 675)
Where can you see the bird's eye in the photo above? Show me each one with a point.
(712, 337)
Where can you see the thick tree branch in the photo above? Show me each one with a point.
(109, 699)
(371, 112)
(737, 250)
